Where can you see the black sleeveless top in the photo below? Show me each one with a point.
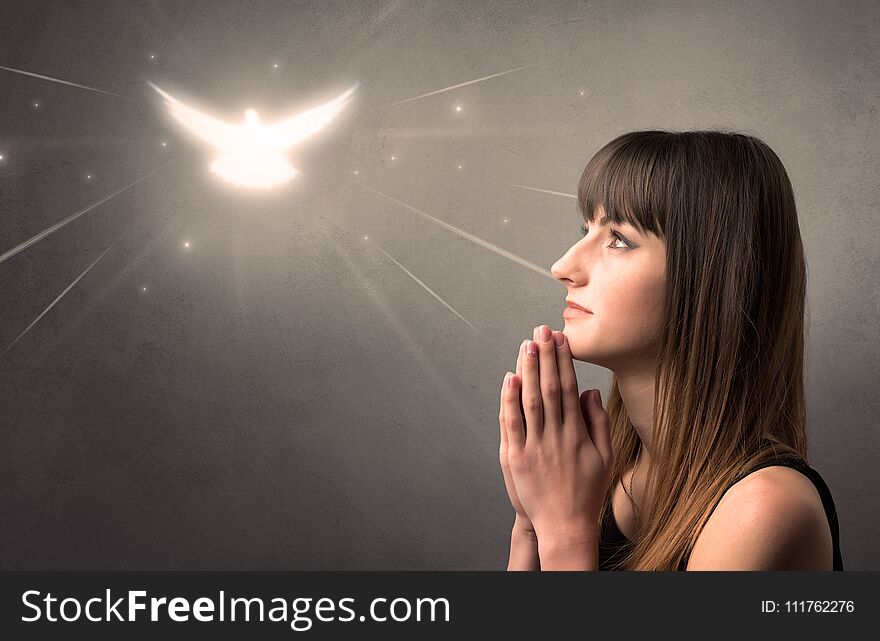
(613, 545)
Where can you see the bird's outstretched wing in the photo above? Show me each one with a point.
(211, 130)
(286, 133)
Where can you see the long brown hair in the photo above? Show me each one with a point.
(730, 357)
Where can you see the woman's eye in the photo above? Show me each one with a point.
(613, 235)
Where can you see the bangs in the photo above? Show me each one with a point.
(626, 180)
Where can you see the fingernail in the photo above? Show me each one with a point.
(597, 397)
(545, 333)
(511, 382)
(532, 348)
(558, 338)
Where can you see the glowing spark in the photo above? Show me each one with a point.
(458, 108)
(63, 82)
(505, 220)
(251, 154)
(89, 176)
(60, 296)
(12, 252)
(545, 191)
(152, 56)
(275, 65)
(392, 157)
(1, 156)
(355, 171)
(430, 291)
(164, 144)
(186, 244)
(462, 84)
(459, 166)
(470, 237)
(143, 289)
(582, 93)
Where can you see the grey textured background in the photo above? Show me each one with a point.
(284, 396)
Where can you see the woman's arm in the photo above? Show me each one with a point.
(523, 550)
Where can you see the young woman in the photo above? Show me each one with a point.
(691, 281)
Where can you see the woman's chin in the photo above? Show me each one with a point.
(581, 350)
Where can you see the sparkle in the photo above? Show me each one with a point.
(143, 289)
(355, 172)
(164, 144)
(582, 93)
(36, 105)
(393, 157)
(275, 66)
(88, 176)
(1, 156)
(365, 237)
(152, 56)
(458, 107)
(505, 220)
(186, 244)
(459, 166)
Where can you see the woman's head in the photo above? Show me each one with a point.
(707, 290)
(617, 272)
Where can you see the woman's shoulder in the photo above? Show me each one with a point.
(771, 519)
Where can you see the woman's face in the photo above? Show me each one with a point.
(621, 279)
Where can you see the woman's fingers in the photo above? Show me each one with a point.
(501, 415)
(549, 378)
(533, 406)
(599, 424)
(516, 435)
(519, 361)
(568, 385)
(503, 385)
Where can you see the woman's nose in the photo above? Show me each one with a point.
(561, 268)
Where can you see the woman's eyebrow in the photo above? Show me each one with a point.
(606, 219)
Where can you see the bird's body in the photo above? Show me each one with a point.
(251, 153)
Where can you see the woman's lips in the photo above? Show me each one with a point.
(575, 312)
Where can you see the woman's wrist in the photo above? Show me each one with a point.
(523, 549)
(569, 550)
(525, 526)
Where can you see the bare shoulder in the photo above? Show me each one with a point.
(772, 519)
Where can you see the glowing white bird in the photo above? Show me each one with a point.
(251, 154)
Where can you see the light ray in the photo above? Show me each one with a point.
(12, 252)
(60, 296)
(75, 320)
(483, 243)
(430, 291)
(67, 82)
(408, 343)
(461, 84)
(544, 191)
